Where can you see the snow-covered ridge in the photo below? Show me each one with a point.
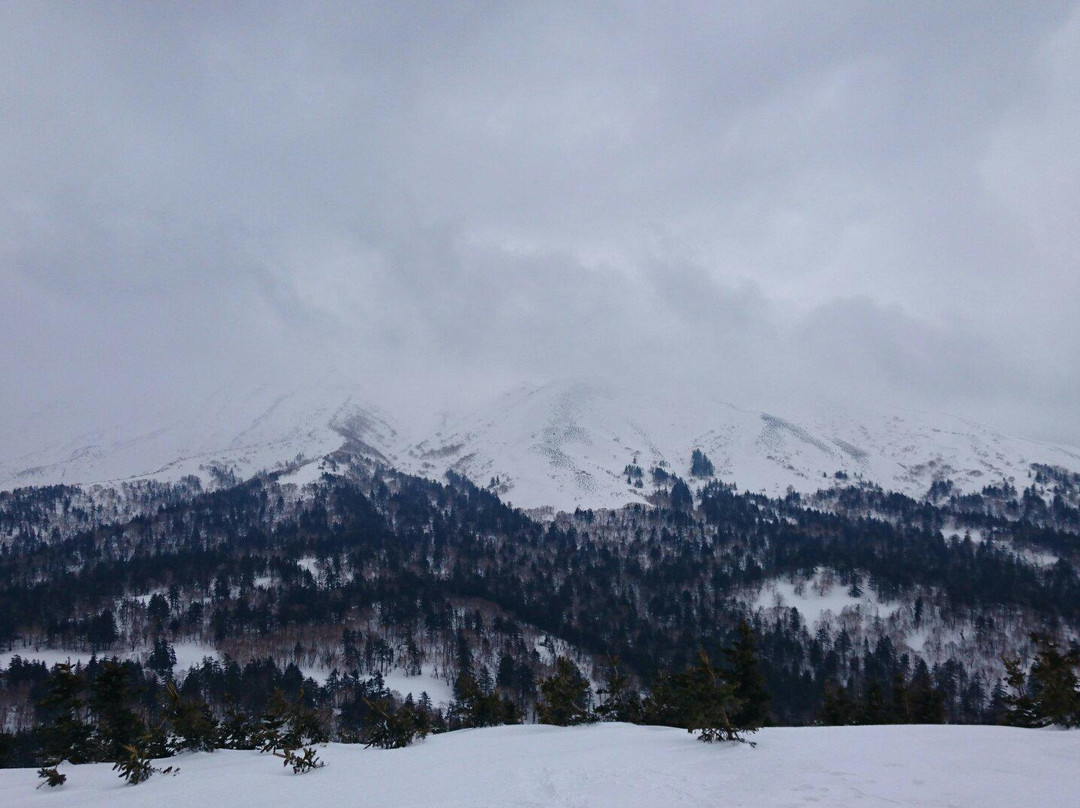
(561, 445)
(567, 445)
(235, 433)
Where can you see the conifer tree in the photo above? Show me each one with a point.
(837, 709)
(51, 775)
(620, 703)
(162, 658)
(681, 498)
(135, 766)
(467, 694)
(302, 760)
(191, 724)
(1020, 709)
(288, 725)
(700, 465)
(1054, 683)
(237, 730)
(68, 735)
(745, 674)
(873, 704)
(926, 702)
(564, 696)
(899, 709)
(389, 727)
(710, 703)
(117, 725)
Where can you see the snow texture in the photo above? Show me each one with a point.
(615, 765)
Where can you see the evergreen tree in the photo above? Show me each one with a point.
(1054, 683)
(745, 674)
(118, 726)
(191, 724)
(564, 696)
(67, 736)
(1020, 708)
(619, 702)
(837, 708)
(899, 708)
(288, 724)
(135, 766)
(700, 465)
(872, 710)
(926, 702)
(389, 727)
(303, 760)
(681, 498)
(51, 775)
(710, 703)
(238, 730)
(162, 658)
(158, 611)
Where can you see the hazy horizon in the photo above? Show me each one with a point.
(777, 205)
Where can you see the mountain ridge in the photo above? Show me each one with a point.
(560, 445)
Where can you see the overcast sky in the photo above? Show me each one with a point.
(776, 202)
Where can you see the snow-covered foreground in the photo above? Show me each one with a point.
(617, 765)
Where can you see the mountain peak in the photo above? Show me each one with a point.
(564, 444)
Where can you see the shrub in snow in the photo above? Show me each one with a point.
(51, 775)
(135, 766)
(302, 761)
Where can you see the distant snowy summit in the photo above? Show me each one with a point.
(572, 444)
(561, 445)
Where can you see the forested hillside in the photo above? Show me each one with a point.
(864, 606)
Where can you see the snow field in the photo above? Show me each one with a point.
(616, 765)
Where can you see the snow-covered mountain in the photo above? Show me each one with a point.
(563, 445)
(567, 444)
(236, 431)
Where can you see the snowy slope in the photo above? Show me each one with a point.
(566, 444)
(242, 431)
(616, 765)
(560, 445)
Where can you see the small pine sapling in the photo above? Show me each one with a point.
(389, 728)
(238, 730)
(51, 775)
(191, 724)
(303, 761)
(135, 767)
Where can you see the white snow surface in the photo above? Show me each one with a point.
(814, 600)
(614, 765)
(440, 693)
(563, 445)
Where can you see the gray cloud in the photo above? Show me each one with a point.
(774, 201)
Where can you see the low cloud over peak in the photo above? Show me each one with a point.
(777, 202)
